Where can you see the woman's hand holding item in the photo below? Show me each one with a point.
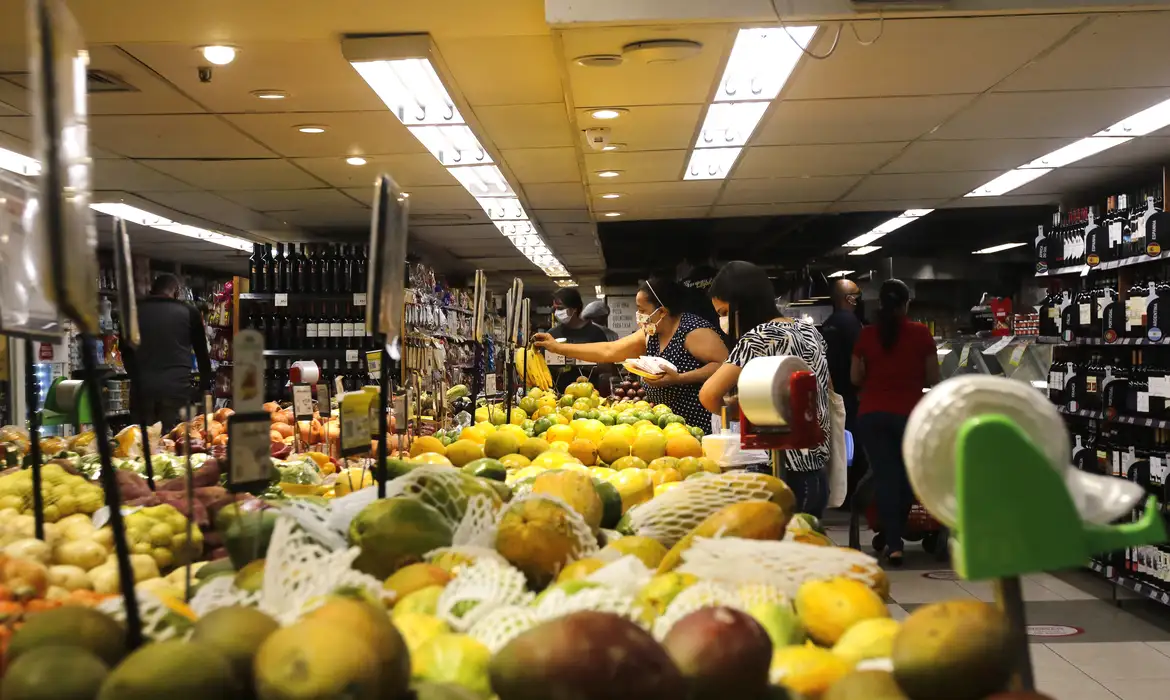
(668, 377)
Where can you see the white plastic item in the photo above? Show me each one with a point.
(721, 447)
(478, 589)
(155, 617)
(930, 441)
(764, 388)
(669, 517)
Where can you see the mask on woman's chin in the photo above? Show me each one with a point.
(562, 315)
(650, 328)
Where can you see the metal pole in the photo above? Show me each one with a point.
(1009, 599)
(384, 388)
(34, 438)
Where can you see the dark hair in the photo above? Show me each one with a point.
(750, 296)
(666, 292)
(892, 299)
(569, 297)
(166, 283)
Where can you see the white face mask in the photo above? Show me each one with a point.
(562, 315)
(725, 324)
(644, 321)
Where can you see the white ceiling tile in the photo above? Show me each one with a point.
(924, 56)
(173, 136)
(525, 126)
(1075, 113)
(408, 170)
(561, 195)
(577, 231)
(798, 161)
(636, 82)
(355, 216)
(649, 166)
(799, 122)
(976, 154)
(503, 70)
(425, 199)
(543, 165)
(653, 213)
(729, 210)
(207, 206)
(285, 200)
(266, 173)
(1009, 200)
(650, 128)
(348, 133)
(890, 205)
(1114, 51)
(561, 216)
(927, 185)
(656, 194)
(1070, 181)
(786, 190)
(122, 174)
(459, 232)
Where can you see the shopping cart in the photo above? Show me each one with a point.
(920, 525)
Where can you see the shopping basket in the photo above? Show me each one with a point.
(920, 525)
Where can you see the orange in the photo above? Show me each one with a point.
(683, 446)
(560, 433)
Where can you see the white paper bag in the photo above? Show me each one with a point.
(838, 457)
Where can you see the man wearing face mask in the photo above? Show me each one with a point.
(840, 330)
(567, 307)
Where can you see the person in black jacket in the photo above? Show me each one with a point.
(160, 368)
(840, 331)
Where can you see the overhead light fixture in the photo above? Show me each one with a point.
(866, 250)
(269, 94)
(219, 54)
(1075, 151)
(355, 160)
(607, 114)
(608, 173)
(145, 218)
(599, 291)
(310, 129)
(612, 214)
(840, 273)
(19, 163)
(760, 63)
(611, 195)
(401, 71)
(890, 225)
(566, 283)
(610, 147)
(997, 248)
(1008, 181)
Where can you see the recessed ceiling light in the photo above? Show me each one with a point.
(219, 54)
(310, 129)
(613, 147)
(269, 94)
(612, 214)
(355, 160)
(599, 60)
(606, 114)
(608, 173)
(611, 195)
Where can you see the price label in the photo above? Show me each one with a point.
(374, 362)
(208, 408)
(338, 386)
(355, 422)
(248, 373)
(323, 403)
(302, 395)
(489, 383)
(359, 299)
(351, 355)
(552, 359)
(963, 355)
(280, 300)
(249, 458)
(1018, 354)
(999, 345)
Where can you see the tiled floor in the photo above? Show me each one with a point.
(1085, 646)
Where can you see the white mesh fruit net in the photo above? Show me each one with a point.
(573, 525)
(314, 520)
(221, 592)
(464, 554)
(625, 573)
(782, 565)
(299, 573)
(558, 602)
(478, 589)
(478, 526)
(501, 625)
(443, 488)
(704, 594)
(669, 517)
(159, 623)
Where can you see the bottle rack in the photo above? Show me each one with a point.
(1110, 372)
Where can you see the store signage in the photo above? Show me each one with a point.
(45, 352)
(355, 423)
(359, 299)
(280, 300)
(249, 456)
(946, 575)
(489, 384)
(302, 395)
(323, 404)
(1054, 631)
(622, 313)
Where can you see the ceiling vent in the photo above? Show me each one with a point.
(662, 50)
(96, 81)
(599, 60)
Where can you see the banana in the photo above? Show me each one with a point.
(537, 371)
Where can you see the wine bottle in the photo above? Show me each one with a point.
(336, 335)
(311, 285)
(254, 267)
(325, 274)
(311, 330)
(299, 269)
(264, 278)
(335, 270)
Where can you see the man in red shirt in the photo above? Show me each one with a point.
(893, 361)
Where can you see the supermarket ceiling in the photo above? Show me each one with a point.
(905, 114)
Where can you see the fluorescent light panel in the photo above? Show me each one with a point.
(19, 163)
(1008, 181)
(890, 225)
(760, 63)
(840, 273)
(997, 248)
(145, 218)
(566, 283)
(865, 250)
(413, 91)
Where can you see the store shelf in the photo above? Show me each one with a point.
(297, 298)
(1124, 420)
(1144, 589)
(1111, 265)
(310, 354)
(1119, 341)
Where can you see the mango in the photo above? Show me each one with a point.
(751, 520)
(587, 654)
(828, 608)
(866, 685)
(575, 489)
(395, 532)
(537, 536)
(456, 659)
(415, 577)
(957, 649)
(721, 652)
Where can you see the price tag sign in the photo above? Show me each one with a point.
(359, 299)
(400, 411)
(489, 384)
(249, 458)
(999, 345)
(552, 359)
(323, 403)
(351, 355)
(355, 423)
(1018, 354)
(338, 386)
(280, 300)
(374, 362)
(302, 396)
(963, 354)
(248, 372)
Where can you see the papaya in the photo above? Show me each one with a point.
(575, 489)
(395, 532)
(611, 503)
(537, 536)
(750, 520)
